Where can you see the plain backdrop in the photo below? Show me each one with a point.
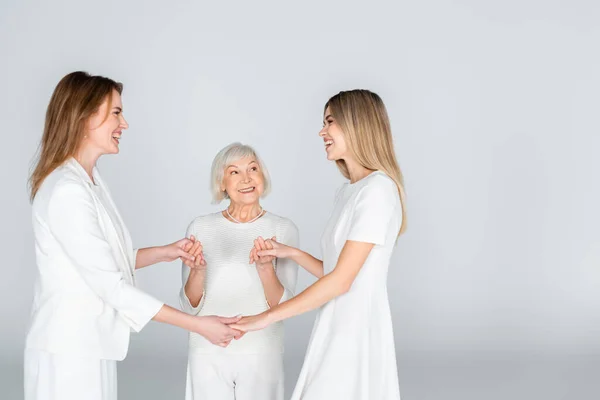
(494, 106)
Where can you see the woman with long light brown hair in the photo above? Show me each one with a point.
(85, 300)
(351, 354)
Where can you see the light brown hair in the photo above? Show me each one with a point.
(76, 98)
(363, 118)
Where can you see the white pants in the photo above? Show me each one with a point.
(234, 377)
(59, 377)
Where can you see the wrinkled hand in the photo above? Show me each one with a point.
(252, 323)
(194, 248)
(218, 330)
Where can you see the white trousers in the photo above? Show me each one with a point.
(234, 377)
(59, 377)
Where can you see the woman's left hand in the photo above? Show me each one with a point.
(252, 323)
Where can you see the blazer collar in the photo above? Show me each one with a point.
(81, 172)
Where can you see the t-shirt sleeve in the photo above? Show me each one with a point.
(375, 206)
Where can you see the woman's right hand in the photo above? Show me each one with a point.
(272, 248)
(216, 329)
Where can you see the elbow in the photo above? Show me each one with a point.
(343, 287)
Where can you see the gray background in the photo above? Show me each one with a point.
(494, 108)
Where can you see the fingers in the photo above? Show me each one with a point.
(185, 255)
(261, 241)
(230, 320)
(252, 256)
(239, 335)
(264, 253)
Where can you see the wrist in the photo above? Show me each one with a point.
(163, 253)
(265, 267)
(270, 316)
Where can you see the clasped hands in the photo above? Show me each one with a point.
(262, 255)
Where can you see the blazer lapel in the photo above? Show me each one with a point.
(125, 244)
(122, 244)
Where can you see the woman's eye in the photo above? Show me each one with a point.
(253, 169)
(233, 173)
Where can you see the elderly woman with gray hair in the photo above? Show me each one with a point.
(229, 279)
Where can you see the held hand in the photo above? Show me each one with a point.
(277, 250)
(217, 330)
(252, 323)
(261, 244)
(194, 249)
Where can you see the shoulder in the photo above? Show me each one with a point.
(282, 223)
(378, 188)
(203, 221)
(61, 184)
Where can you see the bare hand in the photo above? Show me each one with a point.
(252, 323)
(217, 330)
(259, 245)
(194, 248)
(272, 248)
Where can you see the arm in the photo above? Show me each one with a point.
(73, 220)
(376, 206)
(192, 282)
(186, 249)
(328, 287)
(309, 263)
(280, 283)
(149, 256)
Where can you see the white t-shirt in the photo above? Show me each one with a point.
(232, 286)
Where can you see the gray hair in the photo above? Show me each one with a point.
(227, 156)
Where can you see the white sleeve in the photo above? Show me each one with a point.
(373, 210)
(287, 270)
(73, 220)
(184, 301)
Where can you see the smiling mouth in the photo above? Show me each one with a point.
(247, 190)
(116, 137)
(328, 143)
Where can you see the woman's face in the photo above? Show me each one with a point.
(104, 135)
(335, 143)
(243, 181)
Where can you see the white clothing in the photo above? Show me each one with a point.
(67, 377)
(85, 302)
(351, 353)
(235, 376)
(232, 286)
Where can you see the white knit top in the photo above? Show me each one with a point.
(232, 286)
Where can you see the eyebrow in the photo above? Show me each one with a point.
(327, 116)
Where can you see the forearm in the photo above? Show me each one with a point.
(149, 256)
(322, 291)
(308, 262)
(172, 316)
(194, 287)
(271, 285)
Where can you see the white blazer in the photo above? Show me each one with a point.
(85, 301)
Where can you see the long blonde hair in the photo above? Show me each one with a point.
(363, 118)
(76, 98)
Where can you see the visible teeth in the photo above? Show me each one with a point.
(246, 190)
(327, 143)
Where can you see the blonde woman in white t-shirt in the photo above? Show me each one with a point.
(230, 281)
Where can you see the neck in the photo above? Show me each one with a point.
(356, 171)
(244, 212)
(87, 159)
